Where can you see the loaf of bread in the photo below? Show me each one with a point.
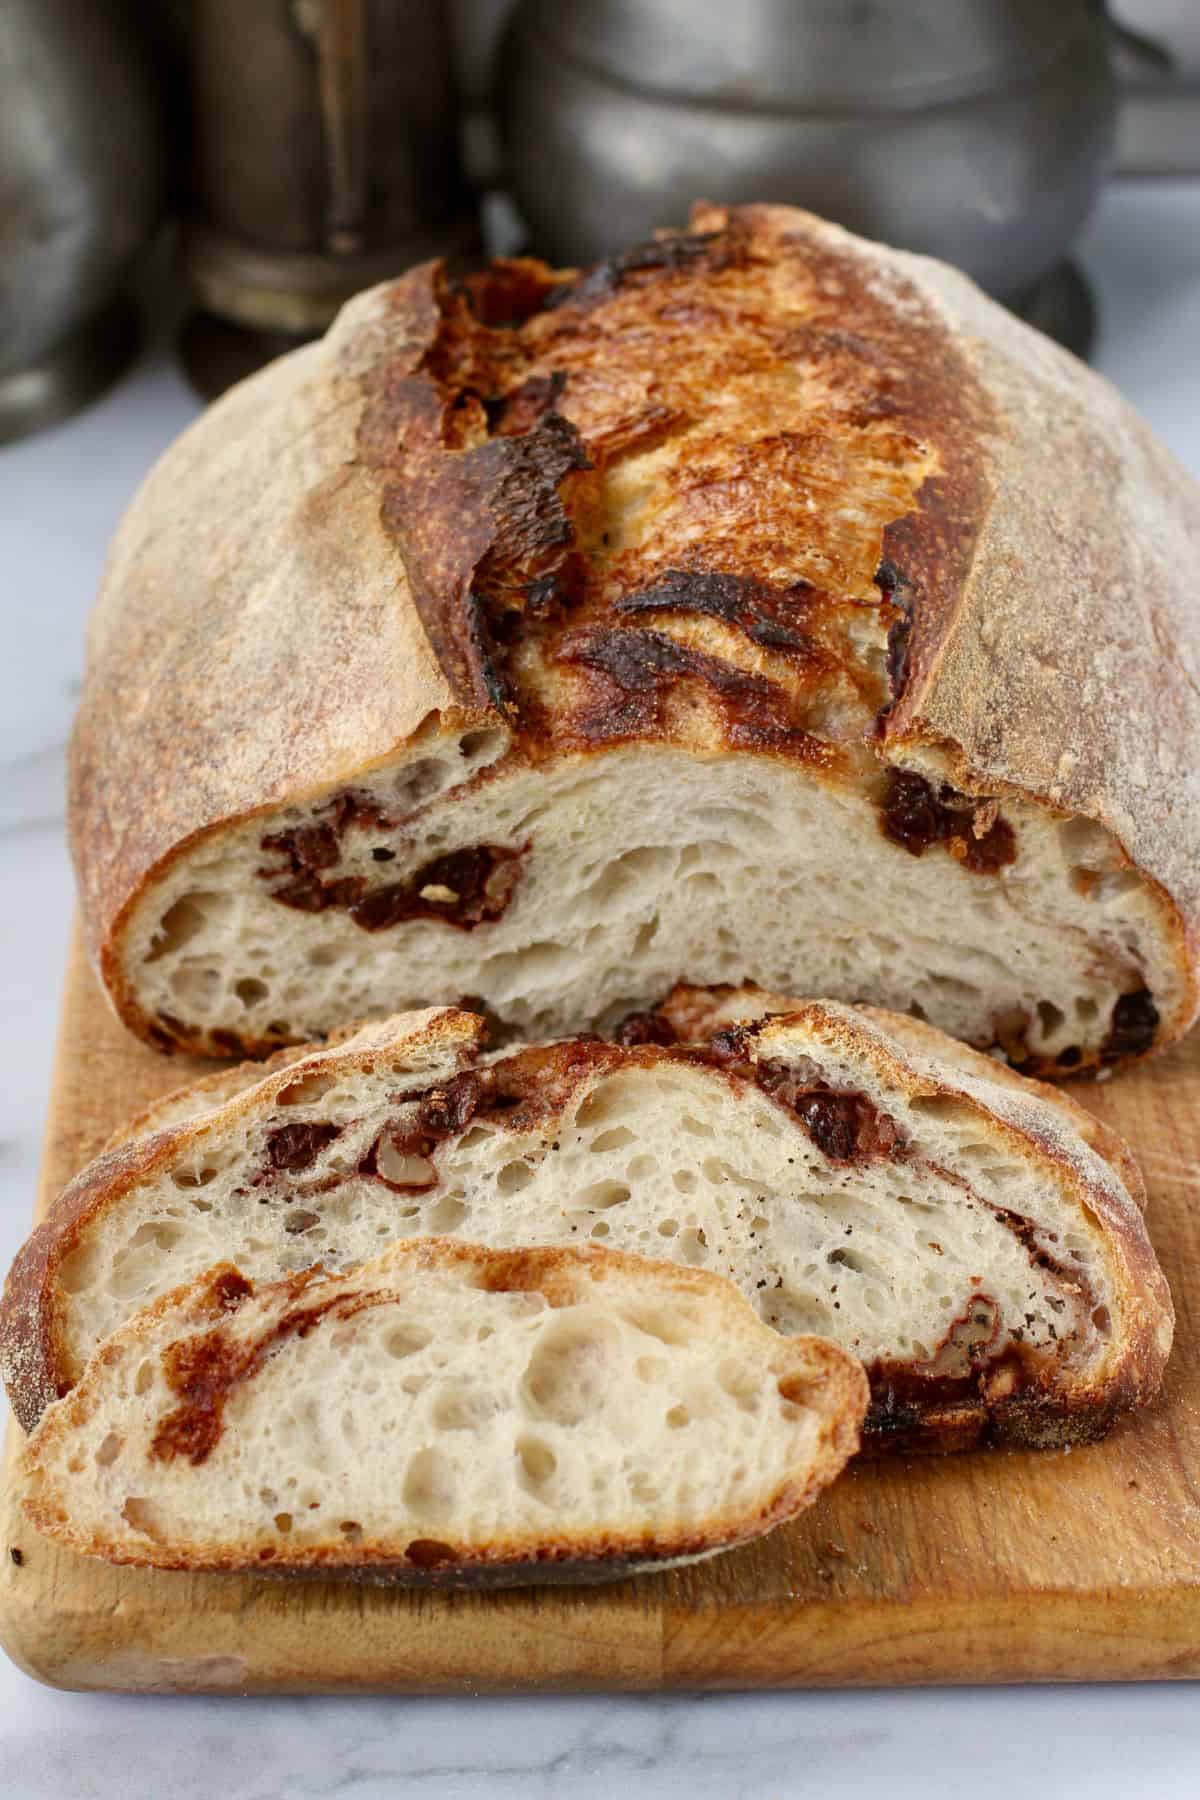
(763, 604)
(973, 1237)
(445, 1415)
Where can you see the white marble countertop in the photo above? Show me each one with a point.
(60, 496)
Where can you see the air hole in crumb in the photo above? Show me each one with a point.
(740, 1382)
(946, 1107)
(1102, 1320)
(283, 1521)
(603, 1194)
(571, 1369)
(306, 1089)
(78, 1270)
(142, 1516)
(678, 1416)
(513, 1177)
(480, 743)
(109, 1450)
(693, 1245)
(144, 1379)
(668, 1227)
(429, 1485)
(658, 1322)
(445, 1215)
(460, 1407)
(406, 1340)
(538, 1461)
(351, 1530)
(181, 922)
(615, 1138)
(249, 991)
(598, 1106)
(193, 1178)
(1050, 1016)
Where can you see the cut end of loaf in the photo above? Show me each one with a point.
(675, 658)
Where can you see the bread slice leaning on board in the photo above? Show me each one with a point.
(973, 1237)
(763, 603)
(444, 1414)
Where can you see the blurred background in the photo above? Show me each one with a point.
(230, 173)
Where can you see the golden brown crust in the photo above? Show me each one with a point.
(887, 442)
(829, 1381)
(254, 640)
(193, 1097)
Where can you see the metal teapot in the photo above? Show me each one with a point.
(973, 130)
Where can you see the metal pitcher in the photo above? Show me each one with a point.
(977, 131)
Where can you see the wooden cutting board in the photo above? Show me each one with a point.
(995, 1567)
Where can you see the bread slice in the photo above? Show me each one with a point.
(975, 1239)
(445, 1414)
(763, 603)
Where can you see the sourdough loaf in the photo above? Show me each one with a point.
(972, 1236)
(761, 604)
(444, 1415)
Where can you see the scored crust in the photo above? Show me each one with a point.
(339, 584)
(807, 1371)
(738, 1041)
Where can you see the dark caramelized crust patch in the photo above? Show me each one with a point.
(718, 429)
(774, 618)
(633, 675)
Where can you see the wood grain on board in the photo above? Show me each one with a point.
(1000, 1566)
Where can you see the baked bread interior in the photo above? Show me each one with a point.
(975, 1238)
(447, 1415)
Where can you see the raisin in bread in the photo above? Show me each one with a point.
(764, 603)
(964, 1231)
(444, 1414)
